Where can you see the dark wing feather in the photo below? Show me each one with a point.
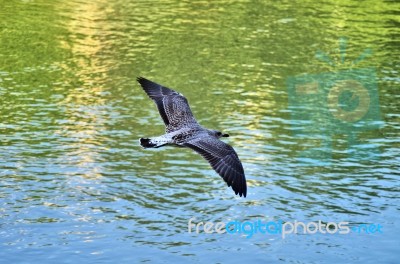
(223, 159)
(172, 106)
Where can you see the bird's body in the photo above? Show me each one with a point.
(177, 137)
(183, 130)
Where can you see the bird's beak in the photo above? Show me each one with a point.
(225, 135)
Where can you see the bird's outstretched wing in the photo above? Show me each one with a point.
(173, 106)
(223, 159)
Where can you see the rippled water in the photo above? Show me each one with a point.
(76, 187)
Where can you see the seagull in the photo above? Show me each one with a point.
(182, 129)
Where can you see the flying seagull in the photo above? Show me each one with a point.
(183, 130)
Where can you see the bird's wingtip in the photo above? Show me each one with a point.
(140, 79)
(242, 190)
(242, 193)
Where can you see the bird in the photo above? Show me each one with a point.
(182, 129)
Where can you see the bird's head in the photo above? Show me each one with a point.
(219, 134)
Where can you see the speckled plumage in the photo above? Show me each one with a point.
(182, 129)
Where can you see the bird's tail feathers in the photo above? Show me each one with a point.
(149, 143)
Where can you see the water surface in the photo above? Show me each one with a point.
(76, 187)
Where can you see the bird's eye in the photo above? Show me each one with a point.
(219, 133)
